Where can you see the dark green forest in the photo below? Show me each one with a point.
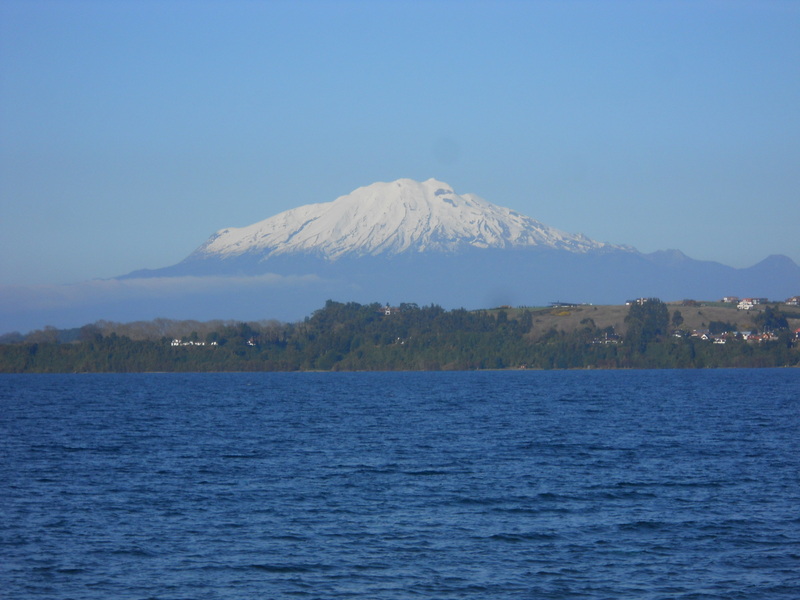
(356, 337)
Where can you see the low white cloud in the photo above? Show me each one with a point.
(236, 297)
(98, 291)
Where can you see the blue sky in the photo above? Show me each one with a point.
(130, 131)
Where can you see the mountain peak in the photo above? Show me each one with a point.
(391, 218)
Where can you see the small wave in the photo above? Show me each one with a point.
(269, 568)
(470, 500)
(643, 525)
(56, 524)
(100, 449)
(76, 449)
(70, 571)
(625, 495)
(242, 456)
(375, 470)
(517, 510)
(523, 537)
(548, 496)
(134, 551)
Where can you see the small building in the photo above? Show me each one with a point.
(747, 303)
(641, 301)
(608, 338)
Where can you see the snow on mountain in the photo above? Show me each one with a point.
(391, 218)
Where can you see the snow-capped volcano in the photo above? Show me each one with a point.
(388, 219)
(407, 241)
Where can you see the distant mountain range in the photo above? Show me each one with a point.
(402, 241)
(423, 242)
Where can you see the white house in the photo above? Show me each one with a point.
(747, 303)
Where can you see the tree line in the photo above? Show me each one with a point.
(352, 336)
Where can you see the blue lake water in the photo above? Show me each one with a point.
(484, 485)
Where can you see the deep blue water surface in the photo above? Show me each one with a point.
(379, 486)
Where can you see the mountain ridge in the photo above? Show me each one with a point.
(421, 242)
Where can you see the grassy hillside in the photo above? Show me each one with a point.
(694, 317)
